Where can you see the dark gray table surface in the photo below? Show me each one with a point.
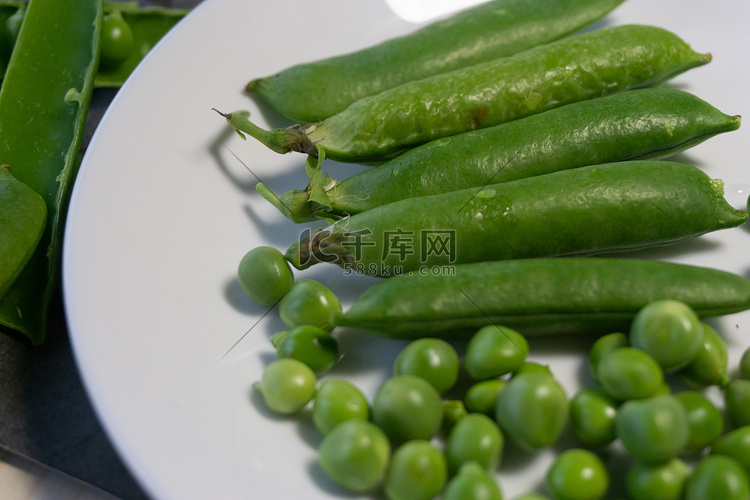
(45, 413)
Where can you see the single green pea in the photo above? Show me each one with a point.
(737, 397)
(314, 346)
(629, 373)
(709, 366)
(494, 351)
(745, 364)
(578, 474)
(473, 482)
(668, 330)
(717, 476)
(337, 401)
(653, 429)
(435, 360)
(14, 22)
(407, 407)
(592, 416)
(657, 481)
(474, 438)
(453, 411)
(735, 444)
(117, 40)
(355, 454)
(532, 367)
(602, 346)
(308, 303)
(265, 275)
(287, 385)
(705, 421)
(482, 396)
(417, 471)
(532, 394)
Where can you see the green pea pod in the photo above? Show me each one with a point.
(314, 91)
(576, 68)
(43, 105)
(23, 215)
(573, 295)
(148, 26)
(616, 206)
(637, 124)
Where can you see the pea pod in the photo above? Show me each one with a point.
(625, 205)
(43, 105)
(637, 124)
(593, 64)
(148, 26)
(574, 295)
(23, 216)
(313, 91)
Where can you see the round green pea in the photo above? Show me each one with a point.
(578, 474)
(745, 365)
(287, 385)
(653, 429)
(355, 454)
(737, 397)
(592, 416)
(314, 346)
(474, 438)
(735, 444)
(482, 396)
(668, 330)
(472, 482)
(657, 481)
(406, 408)
(709, 366)
(117, 42)
(435, 360)
(629, 373)
(705, 421)
(336, 401)
(417, 472)
(308, 303)
(717, 476)
(532, 410)
(494, 351)
(265, 275)
(602, 346)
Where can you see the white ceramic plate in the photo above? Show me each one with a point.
(162, 212)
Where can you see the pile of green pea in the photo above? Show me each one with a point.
(427, 432)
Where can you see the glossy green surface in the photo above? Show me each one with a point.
(709, 366)
(737, 398)
(264, 275)
(653, 429)
(495, 351)
(418, 471)
(705, 421)
(617, 206)
(434, 360)
(355, 454)
(313, 91)
(308, 303)
(717, 476)
(578, 474)
(407, 407)
(537, 394)
(571, 295)
(314, 346)
(23, 215)
(287, 385)
(475, 438)
(592, 416)
(735, 444)
(629, 373)
(337, 400)
(51, 71)
(657, 481)
(473, 482)
(651, 123)
(602, 346)
(482, 396)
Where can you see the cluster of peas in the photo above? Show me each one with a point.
(389, 443)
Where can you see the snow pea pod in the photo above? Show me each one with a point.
(314, 91)
(23, 215)
(43, 105)
(593, 64)
(572, 295)
(616, 206)
(638, 124)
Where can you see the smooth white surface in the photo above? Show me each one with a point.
(162, 212)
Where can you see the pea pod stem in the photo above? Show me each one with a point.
(571, 295)
(282, 140)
